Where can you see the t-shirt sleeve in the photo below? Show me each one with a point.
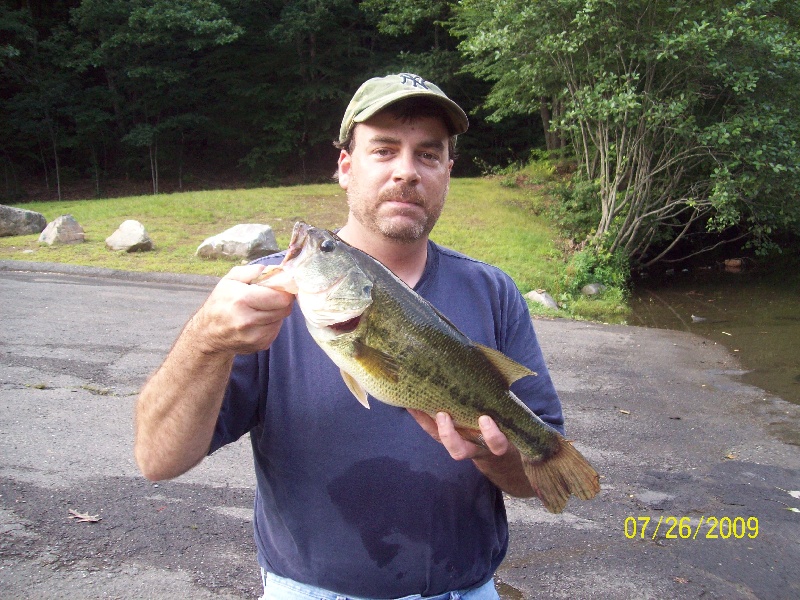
(521, 344)
(239, 411)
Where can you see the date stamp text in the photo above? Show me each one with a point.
(691, 528)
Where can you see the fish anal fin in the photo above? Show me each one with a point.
(356, 388)
(376, 362)
(471, 435)
(562, 474)
(510, 369)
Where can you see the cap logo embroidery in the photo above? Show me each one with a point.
(413, 80)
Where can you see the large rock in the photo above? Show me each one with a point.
(131, 236)
(63, 230)
(18, 221)
(592, 289)
(246, 241)
(543, 298)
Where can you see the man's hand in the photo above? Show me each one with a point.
(238, 318)
(178, 406)
(495, 443)
(496, 457)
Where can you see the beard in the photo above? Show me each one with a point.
(418, 218)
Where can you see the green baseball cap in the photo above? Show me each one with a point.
(379, 92)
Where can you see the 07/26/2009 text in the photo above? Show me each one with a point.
(689, 528)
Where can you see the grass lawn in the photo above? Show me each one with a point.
(482, 218)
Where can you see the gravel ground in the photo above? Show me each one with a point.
(692, 461)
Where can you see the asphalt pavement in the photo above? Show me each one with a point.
(697, 468)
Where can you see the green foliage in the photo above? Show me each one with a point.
(250, 88)
(683, 114)
(609, 307)
(597, 265)
(575, 207)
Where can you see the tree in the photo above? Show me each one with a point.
(153, 88)
(421, 31)
(681, 113)
(145, 52)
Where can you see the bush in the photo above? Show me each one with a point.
(595, 265)
(576, 208)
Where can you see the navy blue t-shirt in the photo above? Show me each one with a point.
(364, 502)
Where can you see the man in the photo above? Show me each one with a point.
(351, 503)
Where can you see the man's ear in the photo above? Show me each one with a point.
(344, 168)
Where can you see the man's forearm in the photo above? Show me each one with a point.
(178, 407)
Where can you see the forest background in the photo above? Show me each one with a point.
(675, 124)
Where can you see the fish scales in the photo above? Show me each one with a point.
(392, 344)
(437, 360)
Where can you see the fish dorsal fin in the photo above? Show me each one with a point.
(510, 369)
(358, 390)
(443, 318)
(376, 362)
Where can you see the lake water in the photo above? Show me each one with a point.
(755, 314)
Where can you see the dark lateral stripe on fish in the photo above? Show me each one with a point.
(509, 425)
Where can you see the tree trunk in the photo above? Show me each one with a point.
(153, 147)
(55, 156)
(44, 164)
(553, 140)
(544, 111)
(114, 98)
(96, 165)
(180, 162)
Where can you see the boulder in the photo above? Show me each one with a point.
(245, 241)
(63, 230)
(18, 221)
(592, 289)
(543, 298)
(130, 237)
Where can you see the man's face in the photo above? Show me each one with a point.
(397, 176)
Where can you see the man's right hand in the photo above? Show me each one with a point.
(178, 407)
(239, 318)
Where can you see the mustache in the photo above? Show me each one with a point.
(402, 193)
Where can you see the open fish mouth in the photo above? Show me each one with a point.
(346, 326)
(297, 242)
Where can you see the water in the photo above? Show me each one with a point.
(756, 315)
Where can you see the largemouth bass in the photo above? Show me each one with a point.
(392, 344)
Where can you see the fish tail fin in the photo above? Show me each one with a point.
(562, 474)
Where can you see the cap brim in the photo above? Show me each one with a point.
(458, 118)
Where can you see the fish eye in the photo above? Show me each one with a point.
(327, 246)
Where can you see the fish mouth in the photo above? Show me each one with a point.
(297, 242)
(346, 326)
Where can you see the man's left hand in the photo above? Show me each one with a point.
(497, 458)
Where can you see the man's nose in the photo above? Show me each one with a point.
(406, 168)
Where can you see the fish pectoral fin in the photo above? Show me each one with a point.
(376, 362)
(358, 390)
(510, 369)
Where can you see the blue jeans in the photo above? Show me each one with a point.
(279, 588)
